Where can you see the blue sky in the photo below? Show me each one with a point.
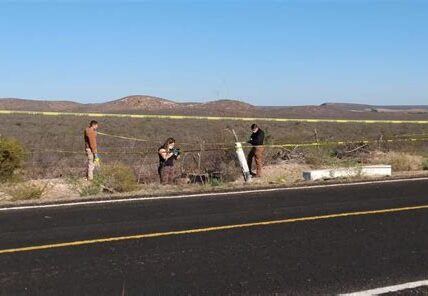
(264, 52)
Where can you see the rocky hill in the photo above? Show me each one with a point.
(155, 105)
(37, 105)
(144, 103)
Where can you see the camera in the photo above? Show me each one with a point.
(175, 151)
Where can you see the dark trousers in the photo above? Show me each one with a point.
(256, 153)
(166, 174)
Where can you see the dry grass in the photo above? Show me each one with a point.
(400, 161)
(112, 178)
(198, 141)
(40, 135)
(25, 191)
(425, 164)
(118, 177)
(285, 176)
(325, 157)
(282, 173)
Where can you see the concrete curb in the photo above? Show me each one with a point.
(362, 171)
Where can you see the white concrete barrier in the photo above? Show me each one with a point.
(364, 171)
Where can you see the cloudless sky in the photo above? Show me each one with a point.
(263, 52)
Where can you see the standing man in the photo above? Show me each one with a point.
(256, 139)
(91, 149)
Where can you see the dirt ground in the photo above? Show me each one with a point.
(284, 174)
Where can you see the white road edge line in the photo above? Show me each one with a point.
(389, 289)
(124, 200)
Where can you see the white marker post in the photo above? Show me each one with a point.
(242, 159)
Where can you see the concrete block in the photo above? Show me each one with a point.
(376, 170)
(366, 171)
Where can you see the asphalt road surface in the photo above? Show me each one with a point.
(296, 242)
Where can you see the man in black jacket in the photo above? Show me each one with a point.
(257, 140)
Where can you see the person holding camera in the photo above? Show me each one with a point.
(168, 153)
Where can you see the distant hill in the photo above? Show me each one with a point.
(36, 105)
(373, 108)
(143, 103)
(155, 105)
(134, 104)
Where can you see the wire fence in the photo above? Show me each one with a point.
(54, 143)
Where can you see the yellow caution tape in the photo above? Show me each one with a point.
(313, 144)
(153, 141)
(180, 117)
(123, 137)
(344, 142)
(411, 135)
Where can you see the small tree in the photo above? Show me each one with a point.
(11, 157)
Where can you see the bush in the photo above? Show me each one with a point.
(425, 164)
(230, 171)
(92, 188)
(87, 188)
(11, 157)
(321, 157)
(400, 161)
(111, 178)
(118, 177)
(25, 191)
(214, 182)
(318, 158)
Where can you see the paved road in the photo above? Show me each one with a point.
(315, 256)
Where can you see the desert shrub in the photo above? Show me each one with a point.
(320, 157)
(11, 157)
(222, 162)
(400, 161)
(214, 182)
(327, 157)
(118, 177)
(110, 177)
(85, 188)
(230, 171)
(268, 136)
(26, 191)
(425, 164)
(90, 189)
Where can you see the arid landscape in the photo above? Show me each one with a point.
(156, 105)
(53, 145)
(194, 147)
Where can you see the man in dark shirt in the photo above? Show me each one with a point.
(257, 140)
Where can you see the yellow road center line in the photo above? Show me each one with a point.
(209, 229)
